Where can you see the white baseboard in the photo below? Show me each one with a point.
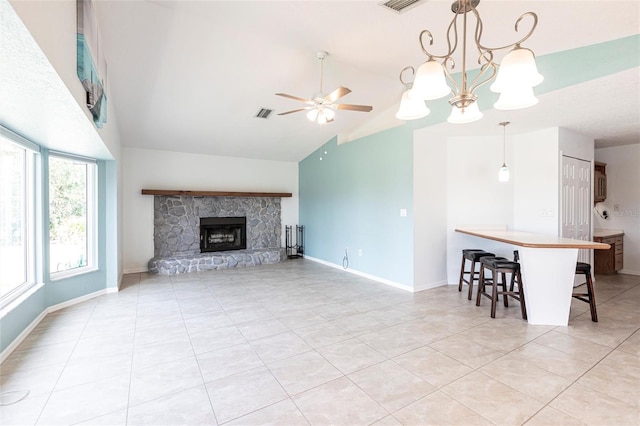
(428, 286)
(135, 271)
(23, 335)
(362, 274)
(629, 272)
(80, 299)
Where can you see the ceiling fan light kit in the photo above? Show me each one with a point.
(515, 77)
(322, 108)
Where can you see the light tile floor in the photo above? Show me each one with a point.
(301, 343)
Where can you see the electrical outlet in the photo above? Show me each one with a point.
(359, 252)
(403, 212)
(548, 212)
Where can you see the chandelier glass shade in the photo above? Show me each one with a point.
(411, 107)
(514, 79)
(464, 115)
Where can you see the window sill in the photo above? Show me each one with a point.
(19, 298)
(58, 276)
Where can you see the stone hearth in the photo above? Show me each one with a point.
(215, 260)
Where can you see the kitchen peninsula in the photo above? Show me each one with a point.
(548, 268)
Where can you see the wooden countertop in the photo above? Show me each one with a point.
(530, 239)
(606, 233)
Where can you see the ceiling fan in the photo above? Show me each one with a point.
(322, 107)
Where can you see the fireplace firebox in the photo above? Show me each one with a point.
(223, 233)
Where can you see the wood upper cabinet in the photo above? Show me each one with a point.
(600, 182)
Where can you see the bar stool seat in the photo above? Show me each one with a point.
(590, 296)
(474, 256)
(499, 267)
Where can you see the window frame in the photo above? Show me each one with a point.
(31, 153)
(91, 217)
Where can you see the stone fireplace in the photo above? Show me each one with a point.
(179, 241)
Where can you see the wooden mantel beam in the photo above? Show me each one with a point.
(214, 193)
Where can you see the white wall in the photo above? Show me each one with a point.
(429, 210)
(152, 169)
(535, 173)
(475, 196)
(528, 202)
(623, 190)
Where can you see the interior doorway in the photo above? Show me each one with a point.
(576, 202)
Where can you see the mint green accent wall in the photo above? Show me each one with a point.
(560, 70)
(112, 261)
(570, 67)
(352, 198)
(16, 320)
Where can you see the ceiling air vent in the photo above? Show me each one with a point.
(400, 6)
(264, 113)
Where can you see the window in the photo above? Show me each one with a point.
(72, 210)
(17, 270)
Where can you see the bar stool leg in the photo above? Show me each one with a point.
(461, 274)
(504, 289)
(472, 275)
(494, 293)
(592, 298)
(523, 307)
(480, 285)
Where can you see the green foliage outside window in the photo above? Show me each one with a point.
(67, 213)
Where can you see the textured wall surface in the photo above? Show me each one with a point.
(177, 221)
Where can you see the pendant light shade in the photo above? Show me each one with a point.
(465, 115)
(430, 82)
(411, 109)
(503, 173)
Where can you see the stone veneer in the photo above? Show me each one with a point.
(176, 233)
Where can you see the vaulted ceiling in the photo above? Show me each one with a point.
(190, 76)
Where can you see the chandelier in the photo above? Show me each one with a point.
(514, 78)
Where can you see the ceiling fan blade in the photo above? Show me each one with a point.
(337, 94)
(296, 98)
(295, 110)
(363, 108)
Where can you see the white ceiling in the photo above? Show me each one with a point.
(191, 75)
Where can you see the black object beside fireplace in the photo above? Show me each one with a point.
(223, 233)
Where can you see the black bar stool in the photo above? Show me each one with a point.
(474, 257)
(590, 295)
(500, 267)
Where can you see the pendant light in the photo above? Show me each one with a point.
(503, 173)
